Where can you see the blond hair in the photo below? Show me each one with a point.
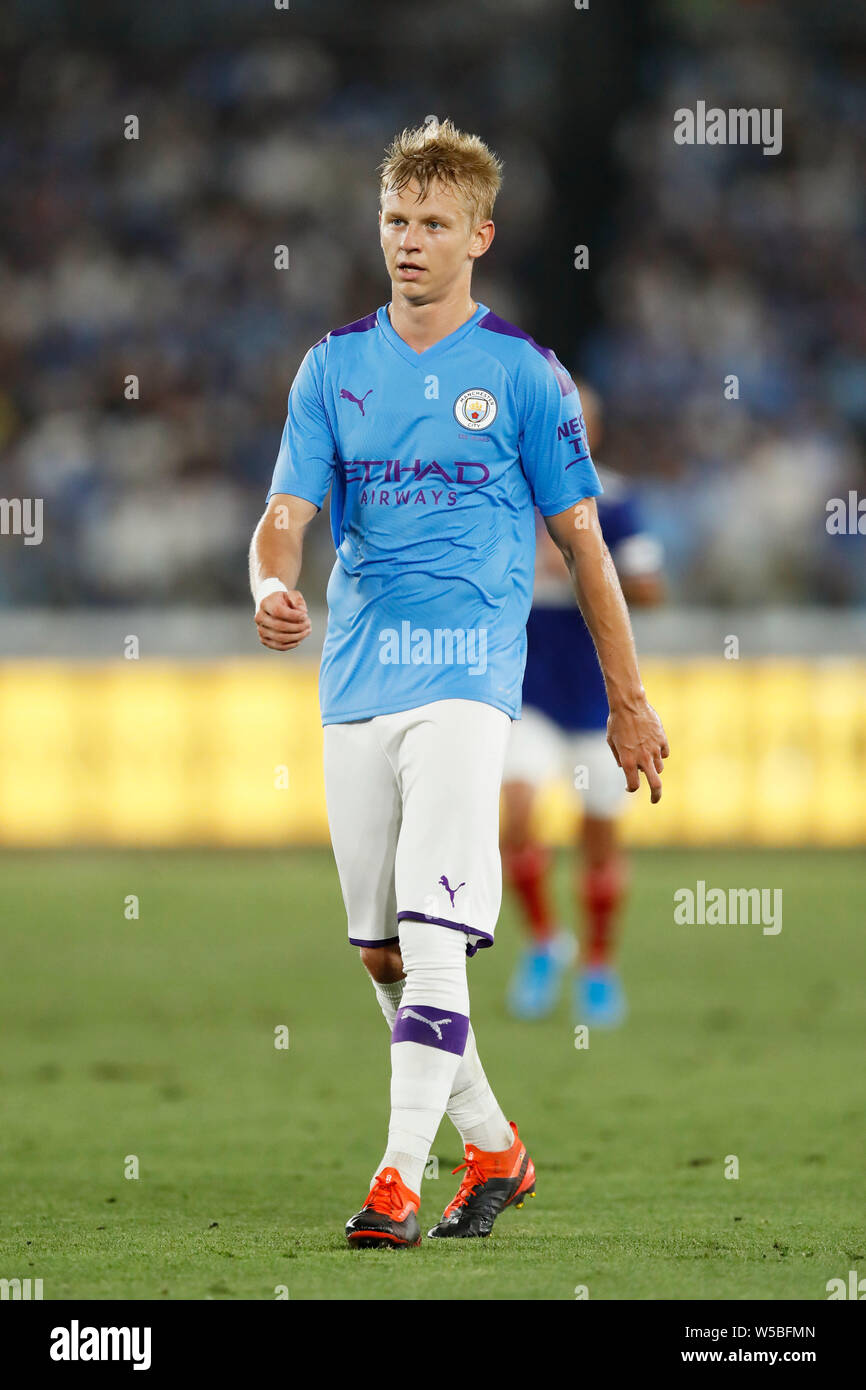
(439, 151)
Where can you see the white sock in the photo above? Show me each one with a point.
(389, 993)
(472, 1107)
(389, 996)
(427, 1043)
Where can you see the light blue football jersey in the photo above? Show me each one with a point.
(433, 461)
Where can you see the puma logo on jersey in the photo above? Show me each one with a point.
(431, 1022)
(449, 890)
(347, 396)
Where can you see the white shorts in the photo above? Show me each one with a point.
(413, 808)
(540, 751)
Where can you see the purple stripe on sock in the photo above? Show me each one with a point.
(419, 1023)
(388, 941)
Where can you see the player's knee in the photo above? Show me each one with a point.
(384, 963)
(434, 958)
(599, 841)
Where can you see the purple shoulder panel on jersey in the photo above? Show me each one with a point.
(359, 326)
(494, 324)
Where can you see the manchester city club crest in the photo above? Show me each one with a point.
(475, 409)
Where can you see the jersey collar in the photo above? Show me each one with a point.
(420, 359)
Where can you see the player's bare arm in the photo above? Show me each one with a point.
(634, 730)
(275, 554)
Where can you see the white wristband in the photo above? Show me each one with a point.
(268, 586)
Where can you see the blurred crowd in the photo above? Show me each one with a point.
(148, 339)
(732, 350)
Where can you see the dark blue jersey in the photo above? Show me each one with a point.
(563, 678)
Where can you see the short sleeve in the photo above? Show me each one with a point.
(306, 460)
(553, 445)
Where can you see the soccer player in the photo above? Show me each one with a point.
(435, 426)
(562, 730)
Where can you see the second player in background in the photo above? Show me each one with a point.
(562, 733)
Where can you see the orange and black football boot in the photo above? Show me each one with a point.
(492, 1182)
(388, 1217)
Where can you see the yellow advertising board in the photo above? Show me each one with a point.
(230, 754)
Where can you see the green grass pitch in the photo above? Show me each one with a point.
(154, 1038)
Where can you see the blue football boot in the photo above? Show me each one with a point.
(537, 980)
(598, 997)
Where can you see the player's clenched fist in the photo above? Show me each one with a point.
(282, 620)
(639, 744)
